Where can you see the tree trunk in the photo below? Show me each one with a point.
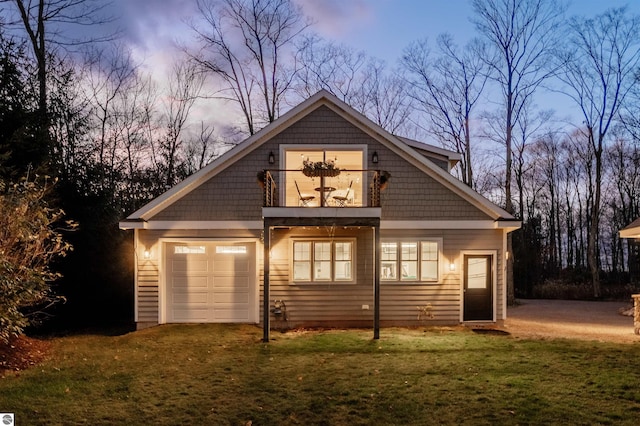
(467, 154)
(511, 295)
(592, 245)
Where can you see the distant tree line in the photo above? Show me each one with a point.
(84, 112)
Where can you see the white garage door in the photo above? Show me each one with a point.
(211, 282)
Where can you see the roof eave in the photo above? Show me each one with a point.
(632, 230)
(132, 224)
(508, 224)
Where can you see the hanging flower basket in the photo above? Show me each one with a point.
(384, 179)
(320, 169)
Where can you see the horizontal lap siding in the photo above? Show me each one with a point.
(147, 291)
(341, 304)
(316, 304)
(399, 302)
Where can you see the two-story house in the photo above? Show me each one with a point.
(322, 218)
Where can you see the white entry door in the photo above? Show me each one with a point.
(211, 282)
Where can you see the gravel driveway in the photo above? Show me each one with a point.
(571, 319)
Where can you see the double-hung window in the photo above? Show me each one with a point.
(323, 261)
(410, 260)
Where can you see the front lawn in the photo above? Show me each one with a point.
(224, 374)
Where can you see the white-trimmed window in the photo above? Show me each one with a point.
(323, 261)
(179, 249)
(417, 260)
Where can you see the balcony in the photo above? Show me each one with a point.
(352, 195)
(349, 188)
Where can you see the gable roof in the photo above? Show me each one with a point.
(400, 146)
(632, 230)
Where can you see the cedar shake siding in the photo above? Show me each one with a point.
(233, 194)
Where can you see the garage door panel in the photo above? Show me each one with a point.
(190, 315)
(231, 315)
(211, 282)
(231, 265)
(200, 298)
(230, 297)
(190, 265)
(190, 281)
(231, 283)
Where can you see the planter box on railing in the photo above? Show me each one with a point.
(320, 172)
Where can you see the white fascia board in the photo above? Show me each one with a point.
(439, 224)
(452, 156)
(509, 225)
(194, 224)
(132, 224)
(630, 233)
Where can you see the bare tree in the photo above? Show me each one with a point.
(529, 127)
(326, 65)
(447, 89)
(109, 76)
(624, 160)
(602, 57)
(245, 44)
(201, 150)
(386, 99)
(43, 21)
(523, 34)
(364, 83)
(185, 87)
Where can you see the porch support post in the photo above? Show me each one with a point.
(376, 282)
(266, 294)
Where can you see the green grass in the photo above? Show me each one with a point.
(224, 375)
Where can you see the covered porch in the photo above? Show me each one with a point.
(300, 222)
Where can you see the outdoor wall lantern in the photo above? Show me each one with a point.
(374, 157)
(272, 157)
(147, 254)
(452, 266)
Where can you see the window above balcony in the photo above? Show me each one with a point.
(336, 178)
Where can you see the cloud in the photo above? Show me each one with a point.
(338, 18)
(152, 24)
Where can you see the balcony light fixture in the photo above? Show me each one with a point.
(147, 254)
(452, 266)
(374, 157)
(272, 157)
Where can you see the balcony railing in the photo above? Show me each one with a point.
(349, 188)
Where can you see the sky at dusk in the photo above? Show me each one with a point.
(381, 28)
